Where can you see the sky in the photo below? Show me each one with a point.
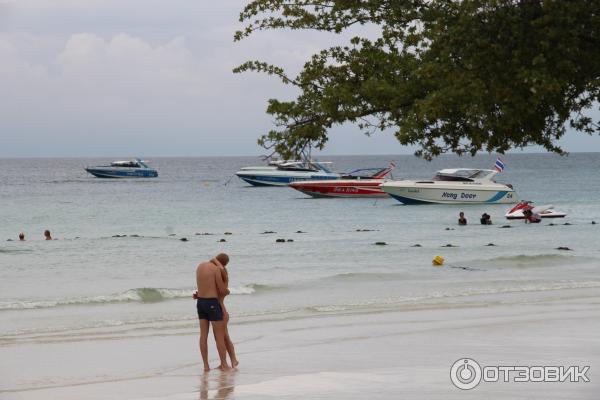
(88, 78)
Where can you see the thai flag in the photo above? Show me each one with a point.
(499, 165)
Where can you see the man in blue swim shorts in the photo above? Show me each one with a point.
(211, 286)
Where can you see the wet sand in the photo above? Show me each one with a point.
(379, 355)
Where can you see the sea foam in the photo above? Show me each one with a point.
(139, 295)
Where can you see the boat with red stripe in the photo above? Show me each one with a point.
(356, 184)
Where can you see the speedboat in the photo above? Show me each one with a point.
(135, 168)
(284, 173)
(452, 186)
(358, 183)
(545, 211)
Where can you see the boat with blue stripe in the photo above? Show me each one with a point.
(135, 168)
(453, 186)
(284, 173)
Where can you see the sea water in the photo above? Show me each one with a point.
(119, 265)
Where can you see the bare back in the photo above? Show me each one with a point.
(207, 275)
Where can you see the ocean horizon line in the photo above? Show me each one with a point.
(511, 153)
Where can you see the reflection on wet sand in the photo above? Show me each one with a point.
(220, 386)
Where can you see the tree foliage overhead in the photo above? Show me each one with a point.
(447, 75)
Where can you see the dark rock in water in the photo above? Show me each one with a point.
(449, 229)
(119, 236)
(465, 268)
(183, 239)
(300, 232)
(551, 224)
(9, 240)
(204, 234)
(290, 240)
(505, 226)
(172, 234)
(416, 245)
(380, 243)
(134, 235)
(490, 244)
(567, 223)
(449, 245)
(593, 222)
(563, 248)
(279, 240)
(228, 233)
(222, 240)
(366, 230)
(267, 232)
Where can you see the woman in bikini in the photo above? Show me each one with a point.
(222, 260)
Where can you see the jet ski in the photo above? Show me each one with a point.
(545, 211)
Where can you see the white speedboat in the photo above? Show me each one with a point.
(545, 211)
(284, 173)
(453, 186)
(135, 168)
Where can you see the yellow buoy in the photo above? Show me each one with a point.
(438, 261)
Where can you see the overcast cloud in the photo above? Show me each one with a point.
(150, 78)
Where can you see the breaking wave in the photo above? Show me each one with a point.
(139, 295)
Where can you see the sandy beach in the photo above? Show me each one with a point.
(380, 355)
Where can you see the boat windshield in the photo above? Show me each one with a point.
(303, 166)
(274, 163)
(364, 173)
(322, 166)
(296, 166)
(463, 175)
(125, 164)
(483, 174)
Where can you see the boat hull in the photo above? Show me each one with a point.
(123, 173)
(256, 179)
(344, 189)
(414, 194)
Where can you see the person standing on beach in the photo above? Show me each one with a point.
(223, 259)
(22, 237)
(211, 287)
